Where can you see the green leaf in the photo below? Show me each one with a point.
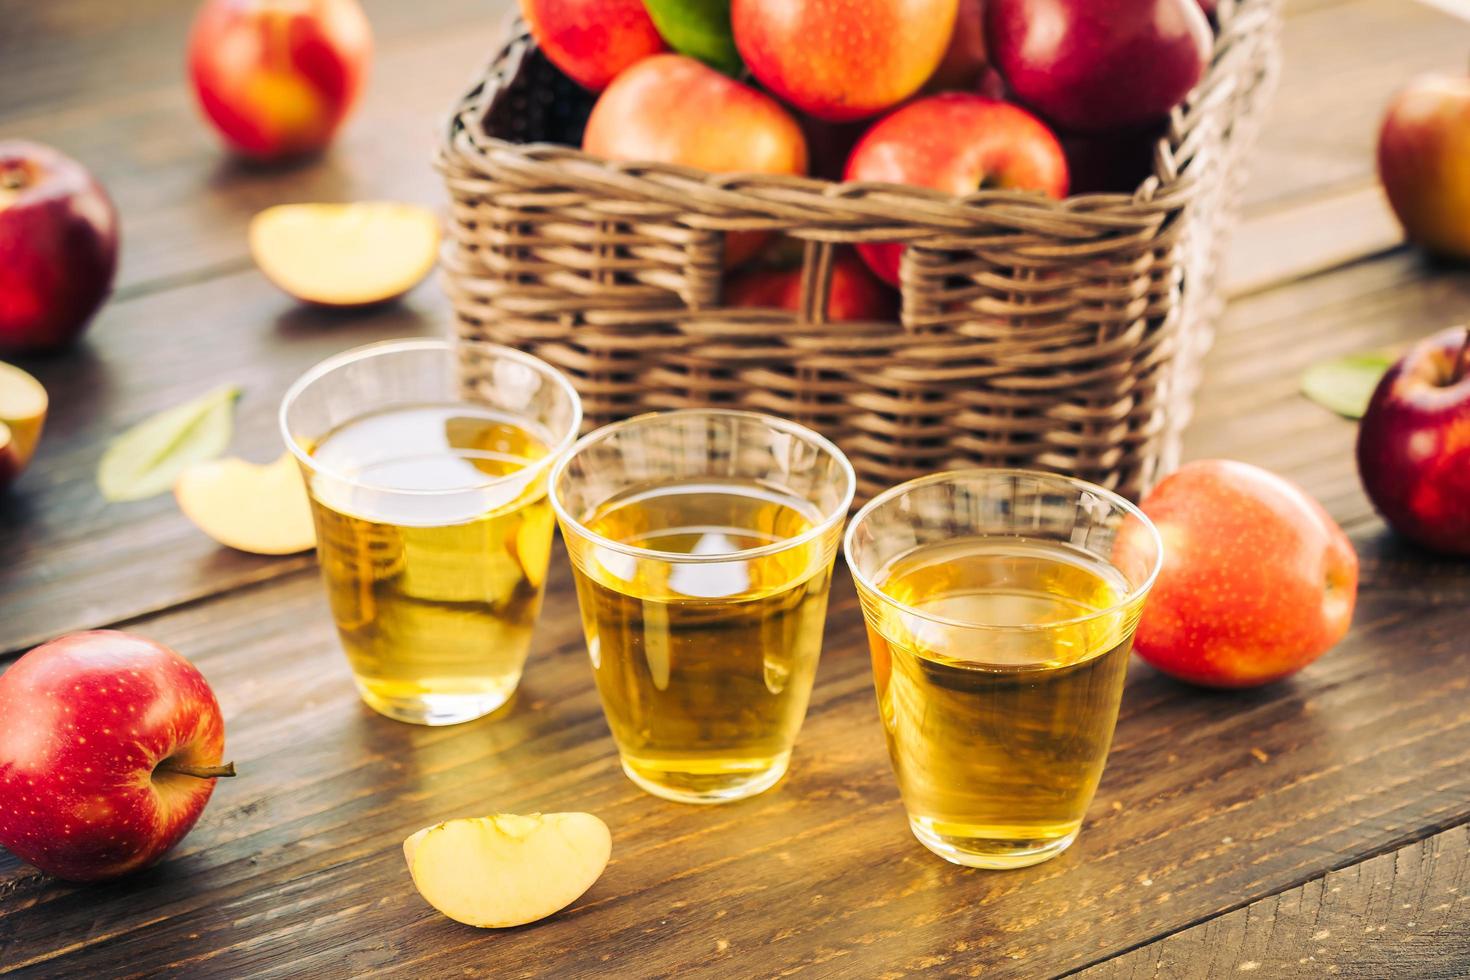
(147, 459)
(1346, 384)
(698, 28)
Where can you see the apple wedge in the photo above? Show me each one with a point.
(345, 254)
(507, 869)
(23, 405)
(260, 509)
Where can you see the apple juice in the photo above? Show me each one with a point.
(998, 735)
(434, 570)
(704, 663)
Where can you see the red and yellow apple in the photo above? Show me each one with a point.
(853, 295)
(672, 109)
(1257, 580)
(958, 143)
(109, 751)
(592, 41)
(842, 59)
(1414, 444)
(23, 405)
(1422, 152)
(1097, 65)
(277, 77)
(58, 247)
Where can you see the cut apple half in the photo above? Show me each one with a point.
(23, 405)
(345, 254)
(260, 509)
(508, 869)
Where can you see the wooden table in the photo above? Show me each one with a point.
(1316, 827)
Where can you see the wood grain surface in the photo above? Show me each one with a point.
(1231, 829)
(1398, 914)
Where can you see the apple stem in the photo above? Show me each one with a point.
(12, 178)
(1462, 360)
(198, 772)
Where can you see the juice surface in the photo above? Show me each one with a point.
(435, 590)
(704, 668)
(998, 736)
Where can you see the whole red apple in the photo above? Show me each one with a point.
(1093, 65)
(277, 77)
(965, 61)
(853, 295)
(672, 109)
(109, 750)
(1257, 580)
(842, 59)
(957, 143)
(58, 247)
(592, 41)
(1414, 444)
(1422, 152)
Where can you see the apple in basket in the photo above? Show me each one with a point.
(1091, 65)
(592, 41)
(670, 108)
(774, 282)
(842, 59)
(957, 143)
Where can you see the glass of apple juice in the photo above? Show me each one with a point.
(433, 526)
(702, 545)
(1000, 607)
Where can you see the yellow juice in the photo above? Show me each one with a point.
(704, 664)
(998, 737)
(434, 572)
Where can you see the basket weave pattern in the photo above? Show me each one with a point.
(1055, 335)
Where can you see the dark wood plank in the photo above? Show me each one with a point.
(1209, 799)
(1401, 914)
(75, 561)
(106, 83)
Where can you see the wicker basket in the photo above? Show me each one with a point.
(1063, 336)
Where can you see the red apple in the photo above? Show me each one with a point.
(592, 41)
(957, 143)
(1094, 65)
(1414, 444)
(58, 247)
(1422, 150)
(965, 61)
(277, 77)
(842, 59)
(109, 751)
(854, 293)
(1257, 581)
(672, 109)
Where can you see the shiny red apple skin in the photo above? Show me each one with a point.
(277, 78)
(670, 108)
(1422, 151)
(965, 60)
(1257, 579)
(1097, 65)
(58, 248)
(1414, 444)
(88, 717)
(854, 293)
(842, 59)
(592, 41)
(959, 143)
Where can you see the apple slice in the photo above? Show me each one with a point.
(260, 509)
(507, 869)
(345, 254)
(23, 405)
